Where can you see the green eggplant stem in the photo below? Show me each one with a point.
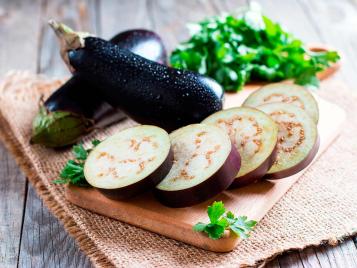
(59, 128)
(68, 39)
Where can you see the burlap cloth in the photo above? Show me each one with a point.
(320, 207)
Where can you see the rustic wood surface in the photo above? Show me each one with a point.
(29, 235)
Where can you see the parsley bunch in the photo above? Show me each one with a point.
(72, 172)
(220, 221)
(236, 49)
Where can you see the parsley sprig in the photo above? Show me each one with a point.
(72, 172)
(220, 221)
(237, 48)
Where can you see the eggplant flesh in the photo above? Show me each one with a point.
(205, 164)
(298, 139)
(148, 92)
(255, 135)
(285, 93)
(130, 162)
(77, 106)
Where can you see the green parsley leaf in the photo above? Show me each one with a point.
(199, 227)
(215, 211)
(236, 49)
(95, 142)
(73, 172)
(308, 78)
(230, 215)
(241, 226)
(79, 152)
(214, 231)
(221, 221)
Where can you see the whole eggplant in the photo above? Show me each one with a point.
(149, 92)
(77, 106)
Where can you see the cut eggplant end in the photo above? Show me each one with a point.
(297, 168)
(129, 162)
(58, 128)
(254, 134)
(205, 164)
(285, 93)
(256, 175)
(298, 139)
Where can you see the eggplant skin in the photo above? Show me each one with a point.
(80, 97)
(257, 174)
(148, 92)
(300, 166)
(209, 188)
(142, 42)
(83, 102)
(143, 185)
(75, 96)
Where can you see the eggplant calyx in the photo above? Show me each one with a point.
(68, 38)
(58, 128)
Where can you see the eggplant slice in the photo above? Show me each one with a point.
(255, 136)
(205, 164)
(129, 162)
(298, 139)
(286, 93)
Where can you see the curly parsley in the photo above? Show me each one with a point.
(236, 49)
(220, 221)
(72, 172)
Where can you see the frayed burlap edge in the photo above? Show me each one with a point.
(332, 241)
(82, 240)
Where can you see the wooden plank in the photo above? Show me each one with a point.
(170, 18)
(291, 259)
(115, 17)
(320, 253)
(45, 243)
(232, 5)
(292, 17)
(309, 258)
(334, 22)
(273, 264)
(155, 217)
(343, 255)
(79, 15)
(18, 49)
(12, 198)
(19, 32)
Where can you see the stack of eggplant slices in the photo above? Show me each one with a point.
(272, 135)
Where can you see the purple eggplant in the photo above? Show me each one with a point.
(148, 92)
(77, 107)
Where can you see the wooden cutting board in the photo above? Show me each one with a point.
(253, 201)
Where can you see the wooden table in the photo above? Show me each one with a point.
(29, 235)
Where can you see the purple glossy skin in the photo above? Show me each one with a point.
(84, 101)
(148, 92)
(70, 96)
(144, 43)
(257, 174)
(209, 188)
(143, 185)
(297, 168)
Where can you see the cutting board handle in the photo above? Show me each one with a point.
(330, 70)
